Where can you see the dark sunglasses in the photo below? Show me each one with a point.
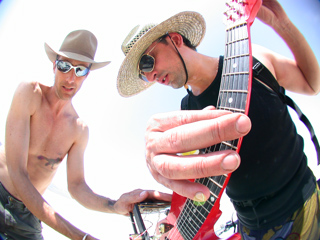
(147, 62)
(64, 66)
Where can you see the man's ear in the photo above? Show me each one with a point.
(177, 39)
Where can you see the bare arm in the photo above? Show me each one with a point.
(82, 192)
(301, 75)
(25, 102)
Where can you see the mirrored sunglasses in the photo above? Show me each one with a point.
(64, 66)
(147, 62)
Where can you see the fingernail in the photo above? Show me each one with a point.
(230, 162)
(242, 124)
(199, 199)
(142, 193)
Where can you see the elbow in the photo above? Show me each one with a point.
(74, 189)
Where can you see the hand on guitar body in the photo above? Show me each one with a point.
(124, 205)
(176, 132)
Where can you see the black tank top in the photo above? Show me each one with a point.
(273, 179)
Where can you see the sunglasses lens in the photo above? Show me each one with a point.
(146, 63)
(81, 71)
(63, 66)
(143, 77)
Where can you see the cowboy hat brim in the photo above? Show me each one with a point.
(189, 24)
(52, 55)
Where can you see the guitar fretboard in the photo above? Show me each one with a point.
(233, 97)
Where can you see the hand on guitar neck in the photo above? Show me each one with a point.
(176, 132)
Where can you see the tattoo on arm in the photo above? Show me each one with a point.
(50, 161)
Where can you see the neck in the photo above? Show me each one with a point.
(203, 72)
(56, 104)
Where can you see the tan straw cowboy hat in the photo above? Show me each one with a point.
(80, 45)
(189, 24)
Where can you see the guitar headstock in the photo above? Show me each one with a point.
(239, 11)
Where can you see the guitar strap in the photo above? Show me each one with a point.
(263, 74)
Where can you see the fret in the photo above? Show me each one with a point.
(230, 145)
(236, 73)
(219, 179)
(235, 25)
(232, 109)
(211, 185)
(234, 61)
(232, 41)
(220, 186)
(237, 56)
(214, 195)
(234, 91)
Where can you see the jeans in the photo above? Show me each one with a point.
(16, 221)
(304, 224)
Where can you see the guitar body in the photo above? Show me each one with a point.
(206, 231)
(188, 220)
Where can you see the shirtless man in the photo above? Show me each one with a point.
(42, 128)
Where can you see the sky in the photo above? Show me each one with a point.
(114, 159)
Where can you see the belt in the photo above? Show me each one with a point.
(251, 203)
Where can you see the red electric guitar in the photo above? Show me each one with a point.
(187, 220)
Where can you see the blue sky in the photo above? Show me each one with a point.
(115, 153)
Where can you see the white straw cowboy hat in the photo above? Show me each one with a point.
(80, 45)
(189, 24)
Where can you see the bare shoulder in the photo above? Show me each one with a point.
(82, 131)
(30, 87)
(28, 95)
(264, 55)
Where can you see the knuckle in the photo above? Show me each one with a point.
(163, 169)
(175, 140)
(201, 169)
(169, 184)
(217, 132)
(183, 119)
(183, 191)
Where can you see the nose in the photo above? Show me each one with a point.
(71, 76)
(151, 76)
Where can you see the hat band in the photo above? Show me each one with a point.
(78, 52)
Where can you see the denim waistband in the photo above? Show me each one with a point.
(6, 197)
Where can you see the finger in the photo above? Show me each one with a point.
(156, 195)
(163, 121)
(186, 188)
(210, 108)
(198, 135)
(196, 166)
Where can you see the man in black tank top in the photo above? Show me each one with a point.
(273, 189)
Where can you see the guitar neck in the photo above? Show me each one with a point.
(234, 88)
(233, 96)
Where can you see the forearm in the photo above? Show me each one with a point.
(86, 197)
(42, 210)
(302, 52)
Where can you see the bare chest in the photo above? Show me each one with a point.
(51, 136)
